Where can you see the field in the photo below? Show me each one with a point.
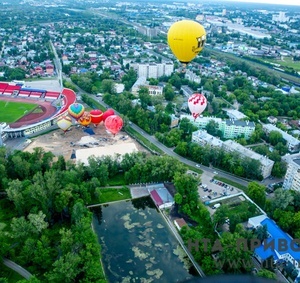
(287, 62)
(13, 111)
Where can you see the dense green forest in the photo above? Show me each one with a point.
(45, 224)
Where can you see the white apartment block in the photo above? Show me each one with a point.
(292, 176)
(293, 144)
(201, 137)
(234, 114)
(142, 82)
(230, 129)
(154, 70)
(266, 163)
(191, 76)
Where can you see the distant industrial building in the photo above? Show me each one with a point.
(293, 144)
(281, 17)
(292, 176)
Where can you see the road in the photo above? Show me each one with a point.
(17, 268)
(170, 152)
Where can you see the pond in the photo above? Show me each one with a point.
(137, 244)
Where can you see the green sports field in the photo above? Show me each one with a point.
(13, 111)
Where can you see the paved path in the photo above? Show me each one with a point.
(17, 268)
(178, 237)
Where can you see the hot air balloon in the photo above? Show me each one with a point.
(64, 123)
(76, 110)
(107, 113)
(197, 104)
(186, 39)
(96, 116)
(113, 124)
(85, 119)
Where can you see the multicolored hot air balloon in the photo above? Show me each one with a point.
(186, 39)
(76, 110)
(107, 113)
(85, 119)
(197, 103)
(97, 116)
(113, 124)
(64, 123)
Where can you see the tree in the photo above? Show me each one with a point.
(212, 128)
(66, 268)
(266, 274)
(257, 193)
(282, 199)
(231, 253)
(262, 232)
(221, 214)
(275, 137)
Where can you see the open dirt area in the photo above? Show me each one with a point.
(60, 143)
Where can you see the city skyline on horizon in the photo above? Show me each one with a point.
(274, 2)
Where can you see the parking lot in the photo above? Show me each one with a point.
(210, 190)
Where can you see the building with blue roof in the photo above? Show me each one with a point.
(278, 244)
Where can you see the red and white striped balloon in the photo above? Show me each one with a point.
(197, 104)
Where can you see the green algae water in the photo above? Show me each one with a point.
(137, 244)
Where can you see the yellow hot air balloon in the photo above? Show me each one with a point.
(186, 39)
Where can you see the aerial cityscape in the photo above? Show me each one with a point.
(149, 141)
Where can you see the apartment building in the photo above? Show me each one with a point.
(142, 82)
(292, 176)
(203, 138)
(153, 70)
(230, 128)
(266, 163)
(292, 143)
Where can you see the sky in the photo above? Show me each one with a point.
(280, 2)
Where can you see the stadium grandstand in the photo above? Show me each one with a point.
(60, 100)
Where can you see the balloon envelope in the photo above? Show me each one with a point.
(85, 119)
(107, 113)
(64, 123)
(186, 39)
(96, 116)
(113, 124)
(197, 104)
(76, 110)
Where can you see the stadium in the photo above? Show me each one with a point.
(35, 110)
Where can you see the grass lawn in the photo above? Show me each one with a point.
(244, 209)
(147, 143)
(117, 180)
(13, 111)
(111, 194)
(287, 62)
